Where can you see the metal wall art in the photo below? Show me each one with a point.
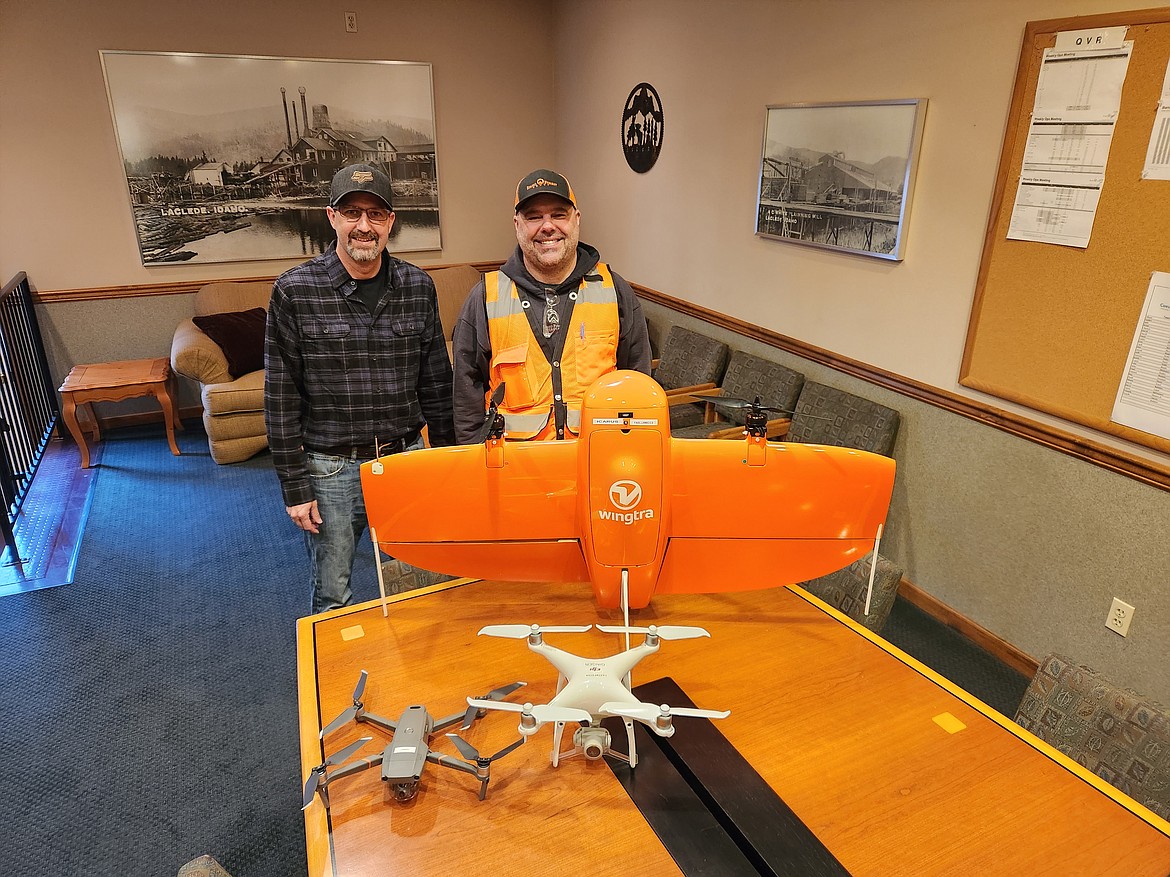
(642, 127)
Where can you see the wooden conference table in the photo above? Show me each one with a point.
(894, 769)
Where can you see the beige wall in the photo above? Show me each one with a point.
(59, 150)
(1026, 541)
(686, 227)
(58, 153)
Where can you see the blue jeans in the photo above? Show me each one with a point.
(337, 487)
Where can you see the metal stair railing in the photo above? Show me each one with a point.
(29, 409)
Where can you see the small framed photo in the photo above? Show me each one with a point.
(840, 175)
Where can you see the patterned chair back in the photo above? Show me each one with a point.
(689, 359)
(1115, 733)
(749, 376)
(827, 416)
(845, 590)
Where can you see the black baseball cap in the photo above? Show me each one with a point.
(542, 181)
(360, 178)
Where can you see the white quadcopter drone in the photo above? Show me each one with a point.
(590, 689)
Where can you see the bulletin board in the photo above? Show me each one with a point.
(1051, 326)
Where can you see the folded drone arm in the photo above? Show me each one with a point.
(375, 719)
(356, 766)
(448, 721)
(450, 761)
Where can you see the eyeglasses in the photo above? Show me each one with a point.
(374, 214)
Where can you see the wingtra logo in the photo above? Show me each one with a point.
(625, 495)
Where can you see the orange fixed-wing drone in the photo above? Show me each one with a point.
(629, 508)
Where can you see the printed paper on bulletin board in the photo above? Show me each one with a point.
(1052, 325)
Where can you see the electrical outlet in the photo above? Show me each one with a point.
(1120, 615)
(351, 22)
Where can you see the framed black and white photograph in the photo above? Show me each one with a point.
(228, 158)
(840, 175)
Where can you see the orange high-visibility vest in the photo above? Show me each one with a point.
(591, 339)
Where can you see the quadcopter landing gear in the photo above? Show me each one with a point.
(593, 742)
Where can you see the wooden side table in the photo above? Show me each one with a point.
(112, 382)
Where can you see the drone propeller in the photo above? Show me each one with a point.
(317, 776)
(495, 694)
(541, 713)
(519, 631)
(350, 712)
(666, 631)
(470, 753)
(482, 763)
(649, 712)
(491, 416)
(756, 405)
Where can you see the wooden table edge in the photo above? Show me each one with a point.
(317, 830)
(1080, 771)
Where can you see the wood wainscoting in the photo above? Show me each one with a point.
(1095, 452)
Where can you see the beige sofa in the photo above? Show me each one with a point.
(233, 408)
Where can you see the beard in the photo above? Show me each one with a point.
(362, 250)
(555, 262)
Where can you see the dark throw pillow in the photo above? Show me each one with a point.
(240, 335)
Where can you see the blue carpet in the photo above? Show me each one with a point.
(949, 653)
(148, 711)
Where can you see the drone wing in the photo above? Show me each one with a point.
(797, 512)
(451, 510)
(628, 507)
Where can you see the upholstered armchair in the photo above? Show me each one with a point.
(452, 285)
(1116, 733)
(232, 393)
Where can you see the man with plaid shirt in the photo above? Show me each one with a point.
(355, 365)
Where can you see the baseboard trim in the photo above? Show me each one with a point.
(980, 636)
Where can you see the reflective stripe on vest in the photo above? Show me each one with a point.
(590, 350)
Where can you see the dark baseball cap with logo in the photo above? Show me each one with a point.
(543, 181)
(360, 178)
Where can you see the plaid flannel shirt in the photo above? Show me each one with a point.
(337, 375)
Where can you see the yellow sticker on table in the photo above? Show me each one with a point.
(949, 723)
(355, 632)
